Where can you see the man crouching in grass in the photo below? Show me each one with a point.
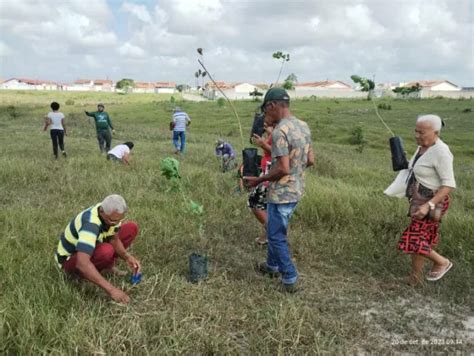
(292, 152)
(92, 241)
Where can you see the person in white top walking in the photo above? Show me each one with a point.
(121, 153)
(55, 121)
(178, 124)
(430, 182)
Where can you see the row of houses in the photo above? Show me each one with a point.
(98, 85)
(239, 90)
(329, 88)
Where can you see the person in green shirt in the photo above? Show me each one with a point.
(103, 125)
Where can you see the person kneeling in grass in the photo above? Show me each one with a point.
(121, 153)
(93, 240)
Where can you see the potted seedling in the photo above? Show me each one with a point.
(198, 263)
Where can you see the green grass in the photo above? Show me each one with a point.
(343, 236)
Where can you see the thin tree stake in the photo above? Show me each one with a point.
(380, 117)
(228, 100)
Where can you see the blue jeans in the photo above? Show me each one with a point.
(177, 136)
(279, 256)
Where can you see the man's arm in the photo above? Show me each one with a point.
(280, 169)
(310, 161)
(91, 114)
(89, 272)
(124, 255)
(110, 123)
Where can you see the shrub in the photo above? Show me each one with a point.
(172, 99)
(357, 136)
(220, 102)
(11, 111)
(467, 110)
(69, 102)
(384, 106)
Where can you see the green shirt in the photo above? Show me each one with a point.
(291, 137)
(102, 120)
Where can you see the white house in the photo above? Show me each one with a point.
(144, 87)
(435, 85)
(235, 91)
(81, 85)
(323, 85)
(103, 85)
(165, 87)
(28, 84)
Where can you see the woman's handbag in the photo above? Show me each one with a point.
(420, 195)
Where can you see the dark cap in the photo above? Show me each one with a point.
(100, 104)
(275, 94)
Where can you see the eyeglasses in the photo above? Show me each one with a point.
(111, 222)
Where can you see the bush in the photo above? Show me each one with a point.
(467, 110)
(357, 136)
(220, 102)
(69, 102)
(172, 99)
(384, 106)
(11, 111)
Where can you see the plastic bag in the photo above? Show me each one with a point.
(251, 162)
(197, 268)
(399, 160)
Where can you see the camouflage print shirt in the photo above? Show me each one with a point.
(291, 137)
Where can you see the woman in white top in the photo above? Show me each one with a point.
(429, 185)
(121, 153)
(55, 121)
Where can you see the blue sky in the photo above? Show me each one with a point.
(150, 40)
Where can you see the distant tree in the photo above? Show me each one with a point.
(182, 87)
(283, 57)
(200, 74)
(365, 85)
(125, 84)
(406, 91)
(289, 83)
(292, 77)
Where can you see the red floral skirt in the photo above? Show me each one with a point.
(421, 235)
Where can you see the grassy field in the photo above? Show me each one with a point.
(343, 236)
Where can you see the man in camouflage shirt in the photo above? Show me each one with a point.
(292, 152)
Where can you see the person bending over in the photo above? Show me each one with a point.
(94, 239)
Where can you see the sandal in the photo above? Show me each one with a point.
(434, 276)
(261, 242)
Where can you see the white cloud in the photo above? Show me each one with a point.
(139, 11)
(131, 51)
(5, 50)
(395, 40)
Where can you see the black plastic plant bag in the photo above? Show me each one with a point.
(251, 162)
(399, 160)
(197, 268)
(257, 127)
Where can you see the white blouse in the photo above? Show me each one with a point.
(435, 167)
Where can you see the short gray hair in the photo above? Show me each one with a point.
(114, 203)
(176, 109)
(434, 120)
